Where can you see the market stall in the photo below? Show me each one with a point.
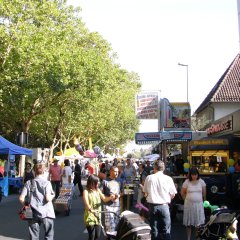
(10, 149)
(212, 157)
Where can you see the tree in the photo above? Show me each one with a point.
(58, 79)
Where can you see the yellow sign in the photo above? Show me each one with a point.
(209, 142)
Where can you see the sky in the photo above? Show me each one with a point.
(151, 37)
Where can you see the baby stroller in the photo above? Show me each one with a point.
(130, 227)
(221, 225)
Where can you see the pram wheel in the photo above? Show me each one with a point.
(218, 225)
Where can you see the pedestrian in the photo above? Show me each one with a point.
(40, 202)
(148, 167)
(67, 172)
(159, 190)
(107, 168)
(111, 186)
(129, 171)
(115, 162)
(194, 193)
(28, 173)
(143, 174)
(55, 176)
(92, 197)
(77, 180)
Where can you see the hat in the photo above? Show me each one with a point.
(28, 163)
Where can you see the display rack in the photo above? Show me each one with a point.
(64, 201)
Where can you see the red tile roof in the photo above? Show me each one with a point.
(227, 89)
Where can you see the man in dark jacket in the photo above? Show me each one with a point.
(77, 176)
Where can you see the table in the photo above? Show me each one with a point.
(9, 181)
(16, 182)
(4, 186)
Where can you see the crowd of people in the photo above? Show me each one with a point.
(105, 191)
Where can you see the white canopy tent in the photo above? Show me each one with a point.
(151, 157)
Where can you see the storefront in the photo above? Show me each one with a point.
(228, 128)
(215, 157)
(210, 155)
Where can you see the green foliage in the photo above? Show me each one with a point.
(2, 162)
(59, 80)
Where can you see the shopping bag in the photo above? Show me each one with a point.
(26, 213)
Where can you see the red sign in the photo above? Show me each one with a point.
(220, 127)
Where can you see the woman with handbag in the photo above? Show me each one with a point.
(38, 194)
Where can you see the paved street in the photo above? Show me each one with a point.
(66, 227)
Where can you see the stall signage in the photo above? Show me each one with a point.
(220, 127)
(174, 135)
(210, 142)
(150, 137)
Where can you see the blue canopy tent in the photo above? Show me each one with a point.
(8, 148)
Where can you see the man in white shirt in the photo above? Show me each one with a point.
(159, 189)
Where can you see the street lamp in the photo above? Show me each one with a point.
(185, 65)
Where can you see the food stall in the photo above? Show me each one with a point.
(211, 157)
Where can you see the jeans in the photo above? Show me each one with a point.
(160, 222)
(56, 187)
(34, 228)
(77, 181)
(94, 232)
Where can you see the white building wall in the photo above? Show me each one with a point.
(223, 109)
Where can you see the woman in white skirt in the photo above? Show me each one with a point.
(194, 193)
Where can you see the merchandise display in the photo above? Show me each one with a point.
(64, 201)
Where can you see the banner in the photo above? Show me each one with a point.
(147, 105)
(175, 115)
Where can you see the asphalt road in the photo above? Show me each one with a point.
(66, 227)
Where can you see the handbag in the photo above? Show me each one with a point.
(26, 212)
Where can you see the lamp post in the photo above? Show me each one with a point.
(185, 65)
